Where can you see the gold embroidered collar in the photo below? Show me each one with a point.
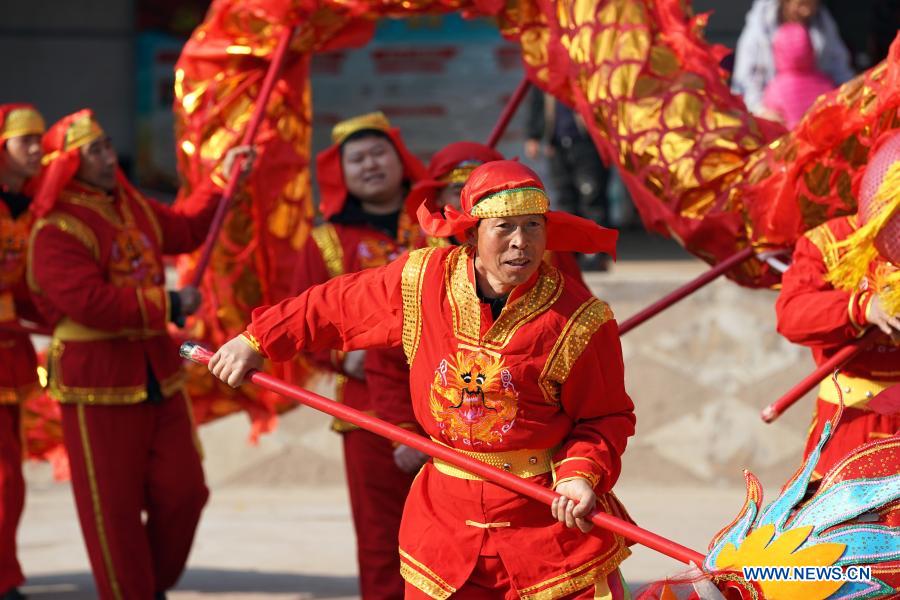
(526, 302)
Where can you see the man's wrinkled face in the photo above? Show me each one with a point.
(798, 11)
(98, 164)
(511, 248)
(372, 169)
(449, 196)
(21, 155)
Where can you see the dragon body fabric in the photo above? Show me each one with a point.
(698, 165)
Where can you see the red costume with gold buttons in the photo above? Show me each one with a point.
(18, 363)
(96, 273)
(538, 391)
(837, 271)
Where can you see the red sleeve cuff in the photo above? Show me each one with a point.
(578, 467)
(251, 340)
(859, 307)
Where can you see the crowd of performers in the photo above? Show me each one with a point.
(446, 300)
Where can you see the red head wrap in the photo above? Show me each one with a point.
(62, 156)
(451, 164)
(506, 188)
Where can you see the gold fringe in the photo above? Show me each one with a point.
(887, 286)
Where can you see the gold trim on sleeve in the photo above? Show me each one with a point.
(572, 458)
(411, 281)
(576, 335)
(67, 224)
(251, 341)
(823, 238)
(326, 238)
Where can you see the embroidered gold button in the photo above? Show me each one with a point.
(507, 467)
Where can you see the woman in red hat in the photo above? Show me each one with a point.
(21, 127)
(511, 363)
(843, 280)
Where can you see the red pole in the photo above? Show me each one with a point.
(259, 111)
(685, 290)
(201, 355)
(508, 111)
(843, 356)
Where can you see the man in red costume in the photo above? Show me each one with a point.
(512, 364)
(364, 178)
(21, 127)
(95, 271)
(839, 285)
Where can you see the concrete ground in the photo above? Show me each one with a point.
(278, 523)
(297, 543)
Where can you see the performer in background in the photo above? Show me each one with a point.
(95, 271)
(844, 280)
(364, 178)
(512, 363)
(21, 127)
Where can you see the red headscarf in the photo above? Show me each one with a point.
(62, 156)
(330, 175)
(19, 119)
(506, 188)
(451, 164)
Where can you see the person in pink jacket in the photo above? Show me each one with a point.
(798, 81)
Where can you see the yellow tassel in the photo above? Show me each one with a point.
(887, 286)
(857, 251)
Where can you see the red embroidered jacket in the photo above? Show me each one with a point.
(96, 273)
(18, 363)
